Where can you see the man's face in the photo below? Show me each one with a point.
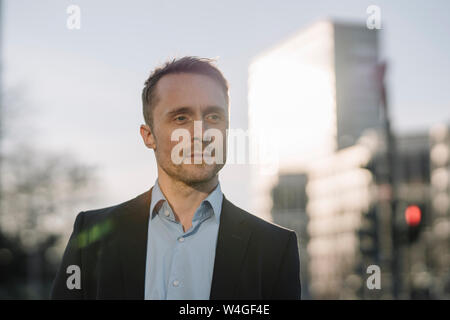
(182, 99)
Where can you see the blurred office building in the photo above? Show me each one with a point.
(357, 195)
(341, 208)
(438, 231)
(345, 220)
(309, 96)
(318, 91)
(351, 219)
(289, 209)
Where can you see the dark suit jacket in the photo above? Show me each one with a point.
(254, 259)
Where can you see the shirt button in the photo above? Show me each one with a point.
(181, 239)
(176, 283)
(166, 212)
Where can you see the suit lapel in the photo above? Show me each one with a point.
(231, 246)
(133, 226)
(230, 250)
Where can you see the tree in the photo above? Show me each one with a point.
(40, 191)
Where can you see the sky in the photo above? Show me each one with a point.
(83, 87)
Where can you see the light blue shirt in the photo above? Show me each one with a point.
(180, 264)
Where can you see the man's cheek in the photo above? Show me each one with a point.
(175, 152)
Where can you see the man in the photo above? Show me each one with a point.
(181, 239)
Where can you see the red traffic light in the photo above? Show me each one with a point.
(413, 215)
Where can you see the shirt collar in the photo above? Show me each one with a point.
(215, 199)
(157, 197)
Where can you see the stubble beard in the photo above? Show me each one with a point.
(191, 174)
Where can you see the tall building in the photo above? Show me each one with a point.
(346, 216)
(309, 96)
(439, 234)
(412, 179)
(350, 219)
(289, 210)
(314, 102)
(440, 166)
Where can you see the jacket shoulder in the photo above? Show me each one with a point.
(110, 213)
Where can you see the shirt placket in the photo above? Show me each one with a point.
(176, 275)
(176, 278)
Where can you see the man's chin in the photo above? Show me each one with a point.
(198, 173)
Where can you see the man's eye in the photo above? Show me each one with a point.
(214, 117)
(180, 118)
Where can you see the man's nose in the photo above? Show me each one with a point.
(199, 129)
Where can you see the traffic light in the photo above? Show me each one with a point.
(414, 221)
(368, 235)
(413, 215)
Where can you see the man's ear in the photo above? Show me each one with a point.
(147, 136)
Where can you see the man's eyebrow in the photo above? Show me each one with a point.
(215, 109)
(188, 110)
(179, 110)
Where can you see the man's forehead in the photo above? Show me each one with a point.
(189, 89)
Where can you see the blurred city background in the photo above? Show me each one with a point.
(356, 92)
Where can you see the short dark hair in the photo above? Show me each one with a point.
(188, 64)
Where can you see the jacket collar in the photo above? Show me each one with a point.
(231, 246)
(214, 199)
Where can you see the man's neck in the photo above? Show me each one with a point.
(185, 199)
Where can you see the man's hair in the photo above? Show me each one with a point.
(189, 64)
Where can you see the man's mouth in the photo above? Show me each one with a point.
(193, 155)
(198, 156)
